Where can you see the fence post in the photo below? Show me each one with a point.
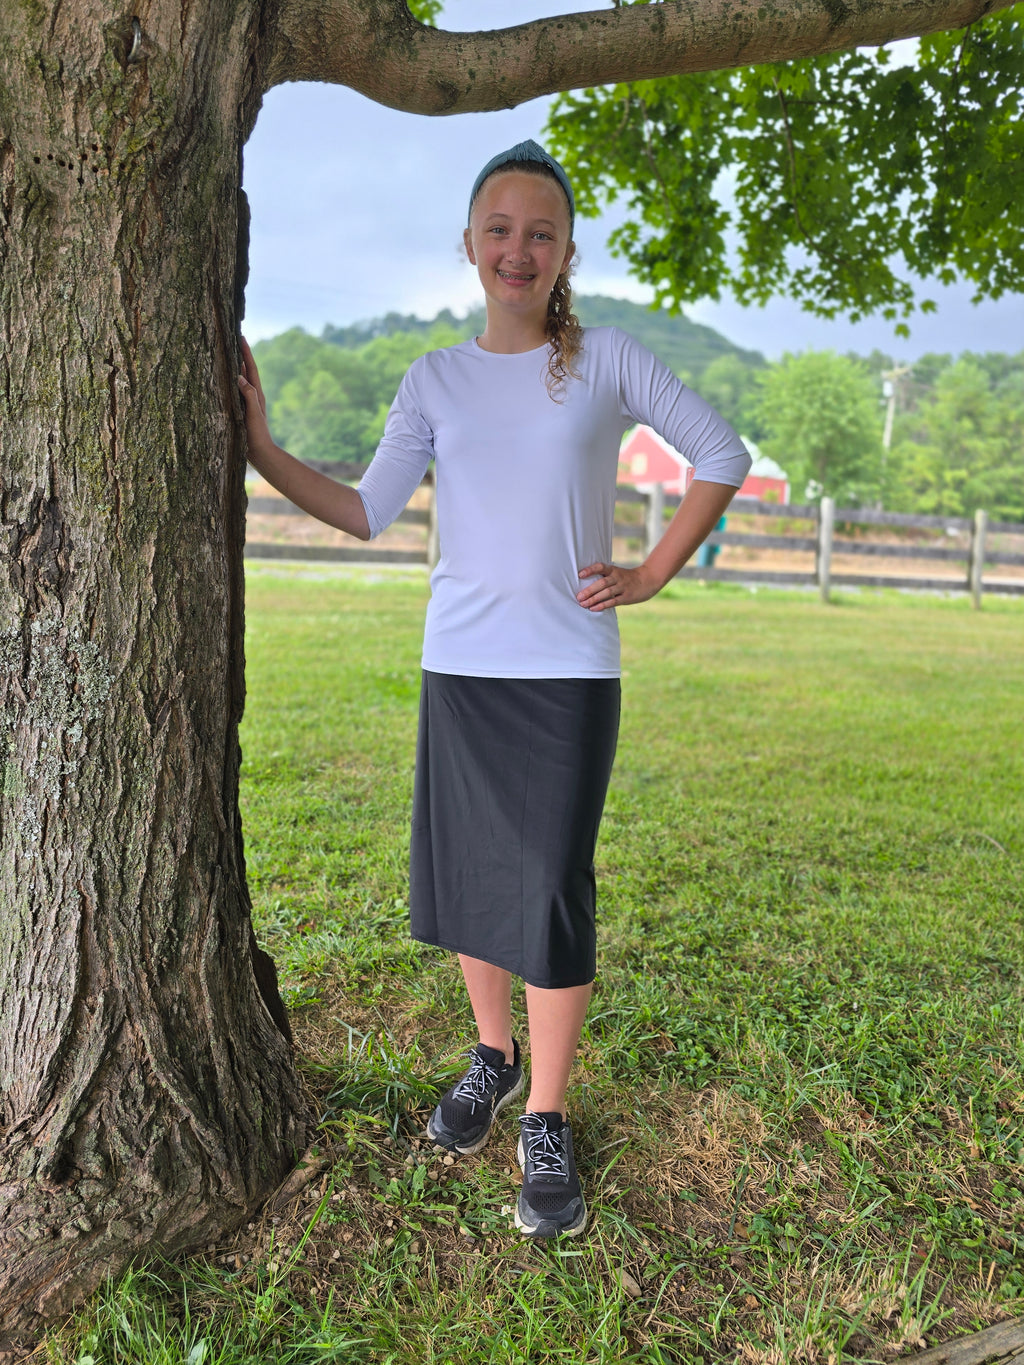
(826, 521)
(433, 539)
(655, 523)
(976, 563)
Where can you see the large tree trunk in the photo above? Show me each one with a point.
(149, 1100)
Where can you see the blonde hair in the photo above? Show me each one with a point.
(561, 326)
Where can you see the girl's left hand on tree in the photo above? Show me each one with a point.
(614, 586)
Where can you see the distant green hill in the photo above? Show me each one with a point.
(682, 344)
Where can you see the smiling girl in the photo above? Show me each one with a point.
(519, 707)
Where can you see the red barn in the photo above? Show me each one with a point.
(645, 458)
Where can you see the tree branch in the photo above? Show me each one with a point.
(791, 150)
(377, 48)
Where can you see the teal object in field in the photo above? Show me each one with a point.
(707, 554)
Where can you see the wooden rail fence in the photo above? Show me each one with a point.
(822, 538)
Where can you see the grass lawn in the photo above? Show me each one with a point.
(798, 1107)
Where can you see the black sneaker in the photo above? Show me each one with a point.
(462, 1121)
(551, 1201)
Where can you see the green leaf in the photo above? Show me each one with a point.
(426, 11)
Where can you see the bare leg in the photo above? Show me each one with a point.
(556, 1018)
(490, 994)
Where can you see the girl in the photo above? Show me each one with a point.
(520, 697)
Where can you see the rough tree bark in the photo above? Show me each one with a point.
(148, 1099)
(148, 1096)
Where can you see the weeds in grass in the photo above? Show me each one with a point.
(376, 1079)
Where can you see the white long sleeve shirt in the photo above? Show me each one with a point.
(525, 489)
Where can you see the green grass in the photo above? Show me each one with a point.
(798, 1107)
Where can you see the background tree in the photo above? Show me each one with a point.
(962, 447)
(731, 385)
(820, 420)
(327, 402)
(149, 1096)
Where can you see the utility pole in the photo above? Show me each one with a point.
(890, 387)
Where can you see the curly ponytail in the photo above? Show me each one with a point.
(565, 336)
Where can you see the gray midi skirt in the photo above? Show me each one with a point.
(511, 776)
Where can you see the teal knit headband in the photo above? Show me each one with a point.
(527, 151)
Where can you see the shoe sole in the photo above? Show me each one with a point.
(548, 1227)
(481, 1141)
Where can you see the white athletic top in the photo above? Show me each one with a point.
(525, 491)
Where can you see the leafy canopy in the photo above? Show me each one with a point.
(833, 179)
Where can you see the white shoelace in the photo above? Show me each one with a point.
(545, 1149)
(476, 1082)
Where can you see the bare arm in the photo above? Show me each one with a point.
(698, 512)
(323, 498)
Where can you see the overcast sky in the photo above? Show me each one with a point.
(358, 210)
